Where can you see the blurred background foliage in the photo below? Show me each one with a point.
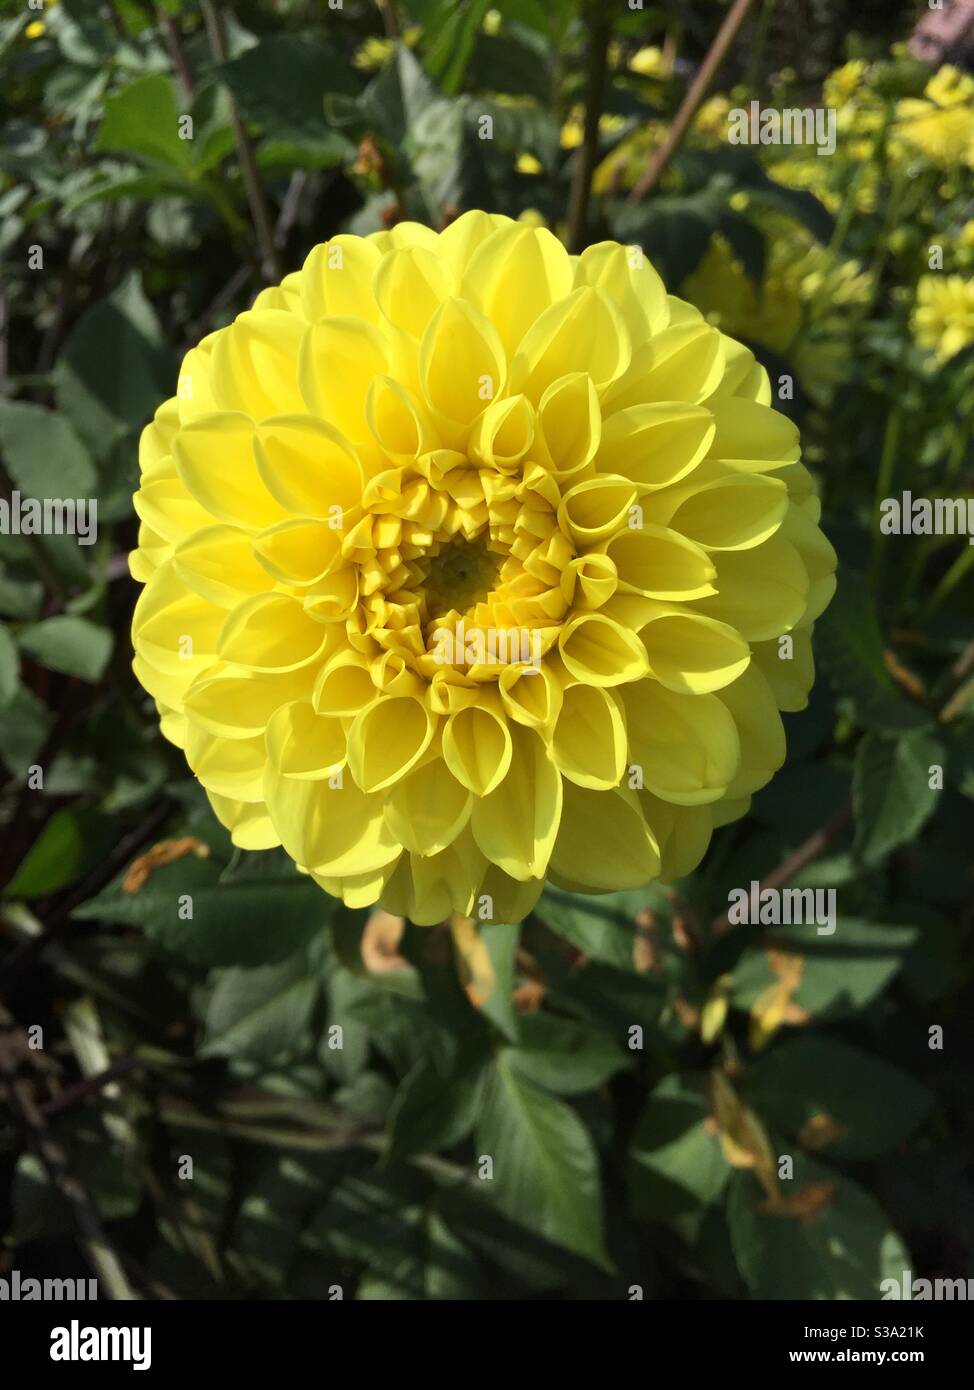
(623, 1159)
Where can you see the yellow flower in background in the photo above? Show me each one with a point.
(466, 563)
(943, 319)
(842, 84)
(941, 123)
(35, 29)
(529, 164)
(649, 62)
(374, 52)
(573, 131)
(800, 309)
(711, 119)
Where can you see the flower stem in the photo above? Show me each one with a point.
(695, 94)
(599, 29)
(270, 263)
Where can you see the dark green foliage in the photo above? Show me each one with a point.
(616, 1108)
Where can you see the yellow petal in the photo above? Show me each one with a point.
(461, 362)
(589, 743)
(655, 444)
(477, 747)
(694, 654)
(218, 562)
(428, 808)
(337, 360)
(270, 633)
(216, 462)
(515, 825)
(597, 650)
(686, 746)
(301, 743)
(661, 563)
(308, 466)
(583, 332)
(387, 739)
(604, 844)
(254, 366)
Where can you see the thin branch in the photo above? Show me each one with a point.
(599, 32)
(4, 362)
(177, 56)
(390, 18)
(961, 685)
(290, 207)
(90, 1085)
(99, 1251)
(805, 854)
(695, 94)
(260, 216)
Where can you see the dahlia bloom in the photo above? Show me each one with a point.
(466, 563)
(941, 123)
(943, 318)
(801, 310)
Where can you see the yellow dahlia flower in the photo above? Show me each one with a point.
(465, 565)
(943, 319)
(941, 123)
(649, 62)
(801, 309)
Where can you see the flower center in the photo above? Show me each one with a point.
(461, 574)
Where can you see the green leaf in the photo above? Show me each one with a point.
(274, 1211)
(613, 999)
(111, 1180)
(500, 942)
(73, 646)
(438, 1102)
(851, 647)
(25, 723)
(845, 1250)
(42, 453)
(435, 1264)
(563, 1055)
(387, 1224)
(260, 1014)
(9, 666)
(840, 973)
(281, 84)
(114, 369)
(143, 119)
(545, 1167)
(676, 1162)
(674, 229)
(891, 792)
(367, 1214)
(396, 99)
(960, 755)
(20, 598)
(53, 861)
(603, 928)
(262, 922)
(799, 1079)
(454, 28)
